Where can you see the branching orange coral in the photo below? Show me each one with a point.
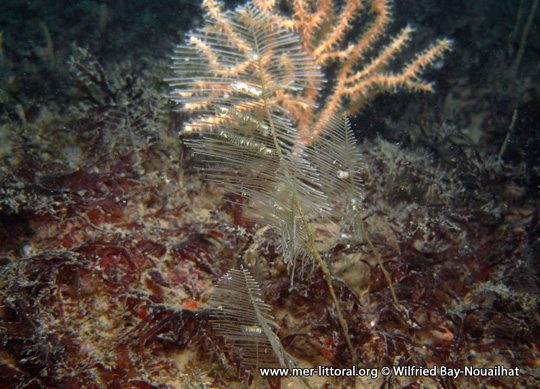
(360, 67)
(323, 27)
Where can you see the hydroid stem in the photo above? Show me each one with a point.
(377, 256)
(328, 278)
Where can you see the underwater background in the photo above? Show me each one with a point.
(111, 239)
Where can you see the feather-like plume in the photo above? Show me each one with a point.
(338, 162)
(242, 318)
(241, 113)
(239, 76)
(237, 67)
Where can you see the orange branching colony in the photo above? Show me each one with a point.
(323, 29)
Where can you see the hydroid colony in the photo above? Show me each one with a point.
(252, 80)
